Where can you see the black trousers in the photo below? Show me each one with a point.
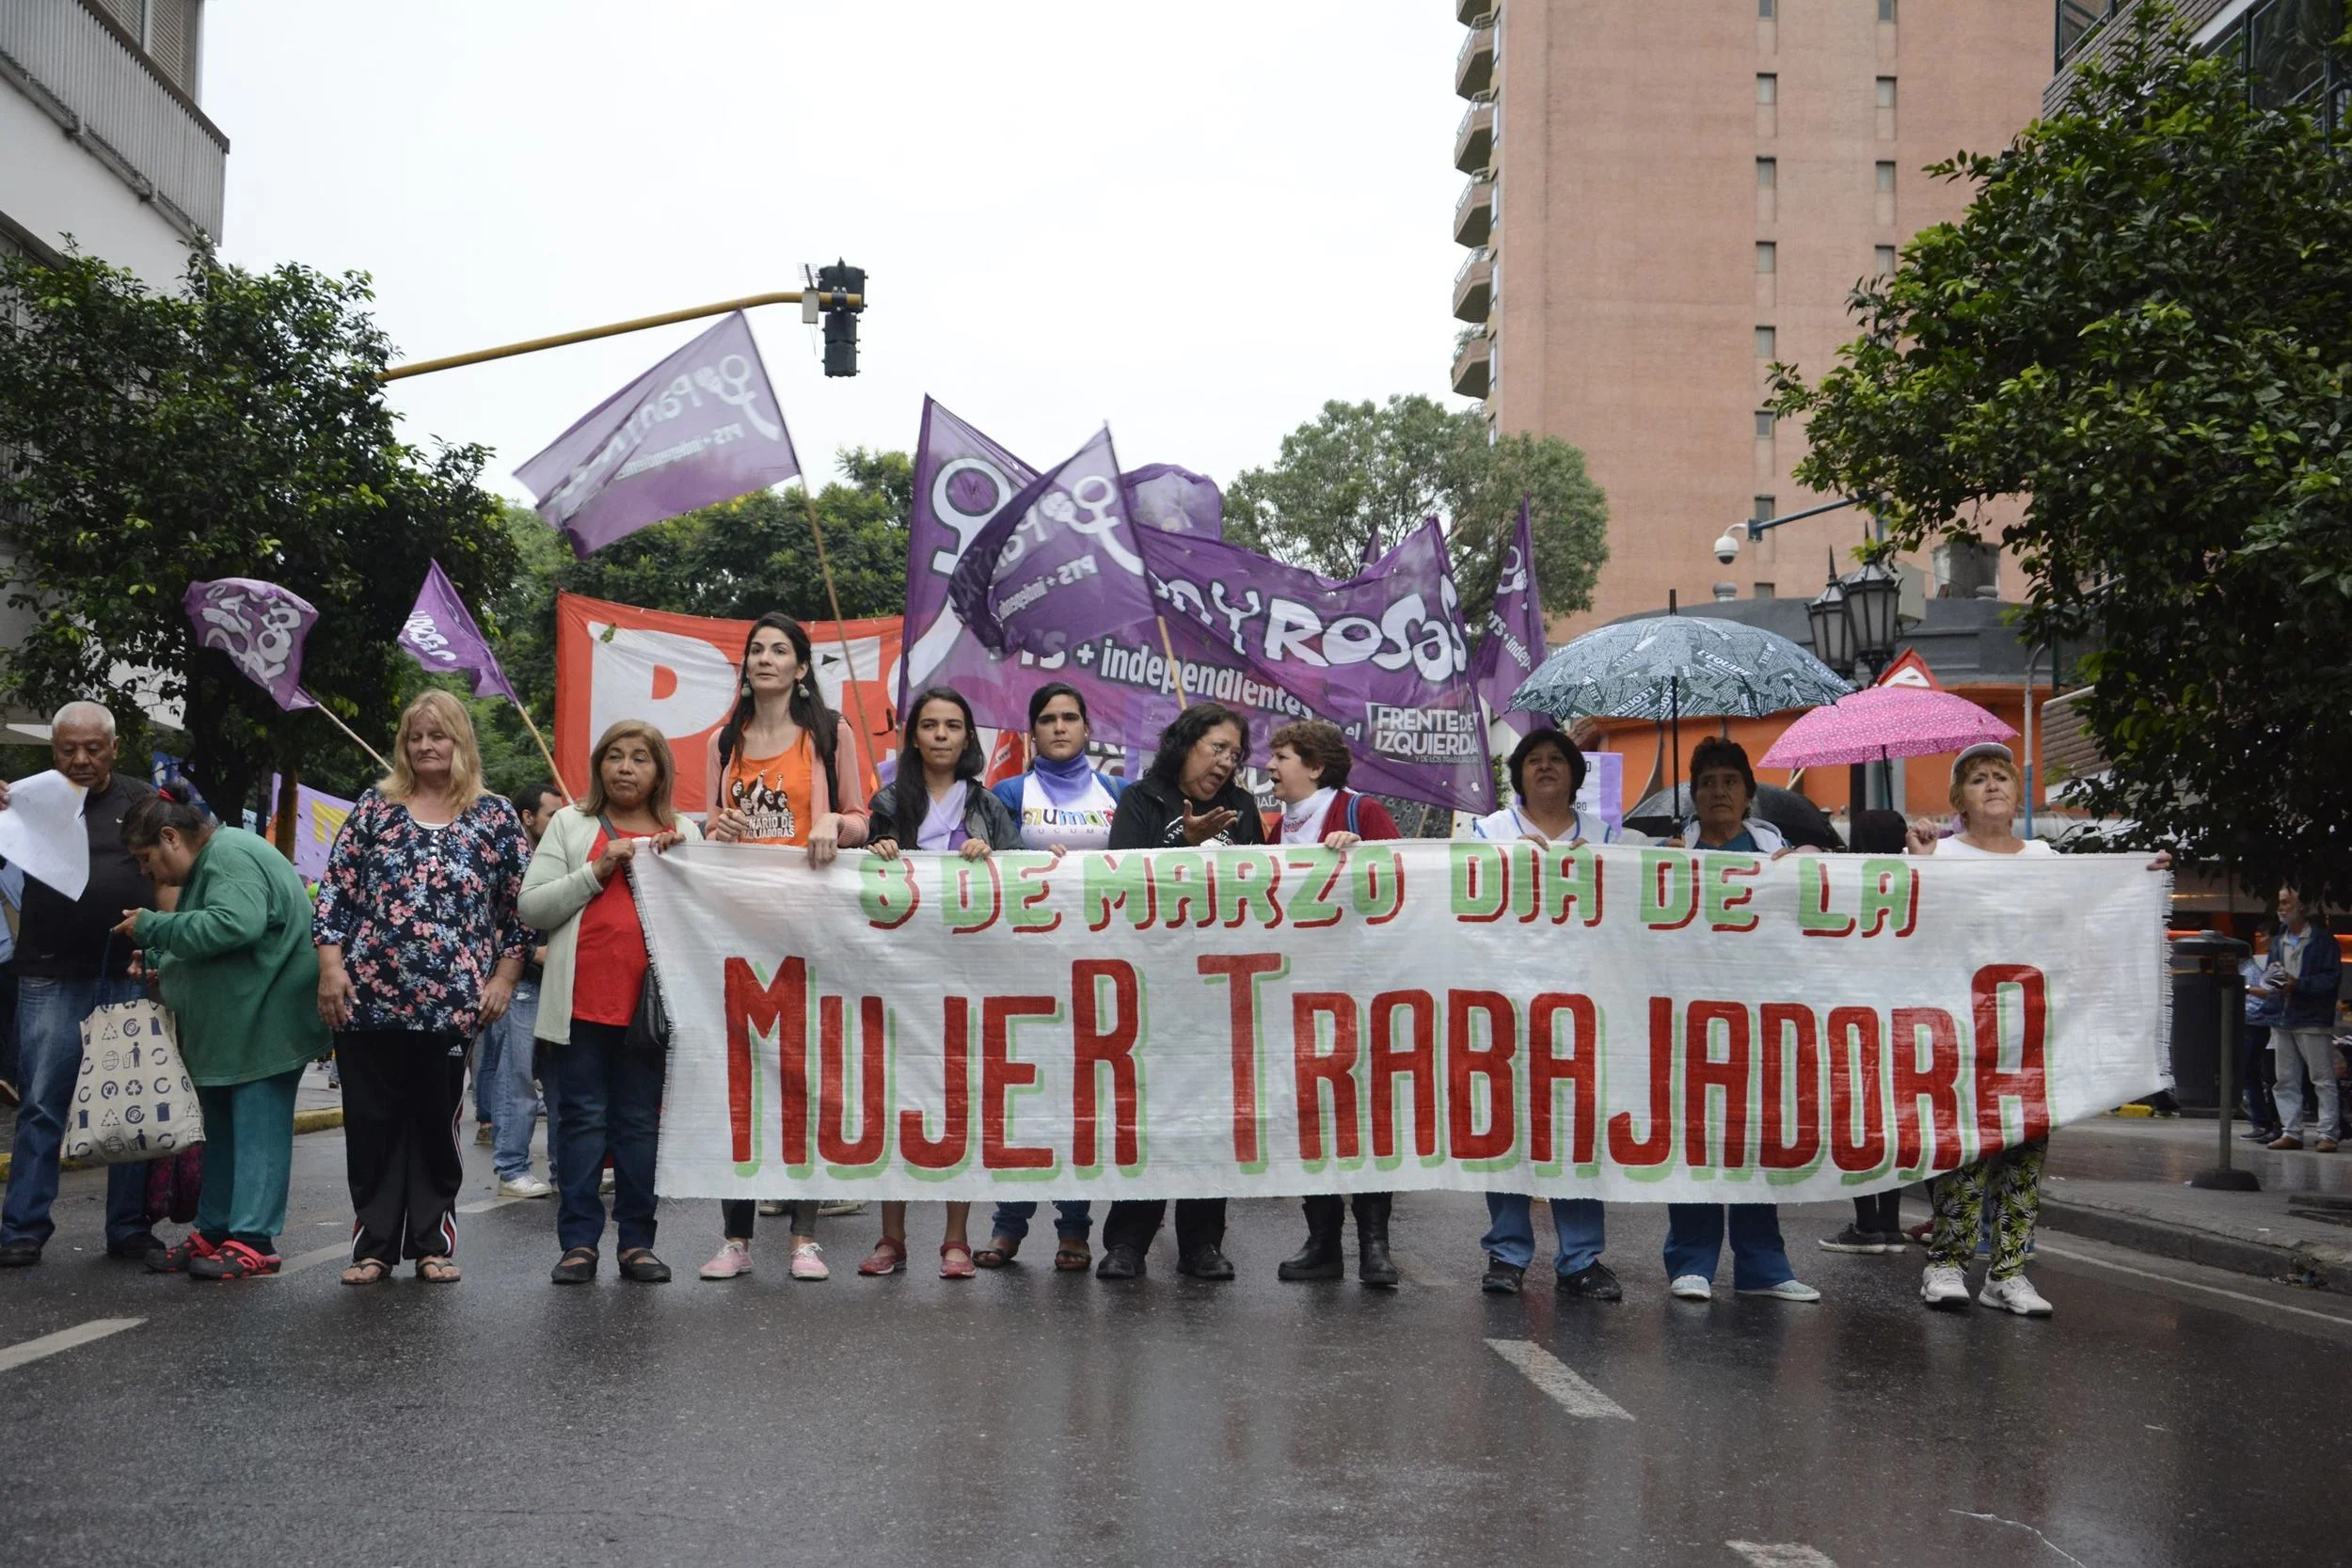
(1133, 1222)
(402, 1092)
(740, 1216)
(1325, 1210)
(1881, 1212)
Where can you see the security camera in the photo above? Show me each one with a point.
(1727, 548)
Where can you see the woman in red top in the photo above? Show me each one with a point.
(784, 769)
(608, 1093)
(1311, 764)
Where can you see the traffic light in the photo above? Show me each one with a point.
(835, 284)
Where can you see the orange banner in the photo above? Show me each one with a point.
(680, 672)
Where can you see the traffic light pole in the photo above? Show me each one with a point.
(810, 300)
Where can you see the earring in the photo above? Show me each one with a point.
(747, 688)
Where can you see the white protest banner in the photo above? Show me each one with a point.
(1639, 1024)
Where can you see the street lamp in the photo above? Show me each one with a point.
(1873, 601)
(1832, 624)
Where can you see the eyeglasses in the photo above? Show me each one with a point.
(1220, 752)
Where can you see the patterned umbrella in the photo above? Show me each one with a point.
(1678, 666)
(1882, 722)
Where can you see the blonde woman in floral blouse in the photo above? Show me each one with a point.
(419, 948)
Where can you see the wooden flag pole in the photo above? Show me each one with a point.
(832, 597)
(554, 773)
(349, 731)
(1175, 670)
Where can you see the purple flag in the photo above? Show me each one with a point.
(1515, 633)
(700, 428)
(1163, 496)
(261, 626)
(1382, 656)
(442, 636)
(1058, 563)
(962, 480)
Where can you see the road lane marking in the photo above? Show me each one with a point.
(1547, 1372)
(1780, 1554)
(340, 1251)
(2190, 1285)
(65, 1338)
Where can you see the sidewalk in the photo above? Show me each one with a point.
(2124, 1181)
(316, 1108)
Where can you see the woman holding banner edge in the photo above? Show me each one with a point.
(1061, 804)
(950, 812)
(774, 772)
(1187, 797)
(1546, 770)
(1310, 762)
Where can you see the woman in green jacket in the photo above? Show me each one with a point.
(236, 965)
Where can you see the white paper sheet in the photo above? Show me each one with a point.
(41, 831)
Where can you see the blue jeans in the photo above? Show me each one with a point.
(1073, 1219)
(49, 1016)
(1694, 1240)
(610, 1099)
(1578, 1222)
(502, 1060)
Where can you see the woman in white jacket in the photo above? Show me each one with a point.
(608, 1094)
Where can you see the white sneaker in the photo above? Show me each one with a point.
(2013, 1294)
(525, 1185)
(1788, 1290)
(734, 1261)
(771, 1207)
(1691, 1287)
(841, 1207)
(604, 1183)
(1944, 1286)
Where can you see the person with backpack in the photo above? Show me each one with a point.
(783, 770)
(935, 802)
(1061, 804)
(1311, 763)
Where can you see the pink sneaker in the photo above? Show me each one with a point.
(733, 1261)
(808, 1262)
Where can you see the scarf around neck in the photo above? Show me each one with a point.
(1303, 822)
(1065, 784)
(943, 821)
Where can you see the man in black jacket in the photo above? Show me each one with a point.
(1187, 798)
(69, 963)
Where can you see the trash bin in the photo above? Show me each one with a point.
(2204, 971)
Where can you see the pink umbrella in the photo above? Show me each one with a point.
(1883, 721)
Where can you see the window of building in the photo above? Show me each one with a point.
(1883, 257)
(1766, 9)
(1886, 11)
(1767, 87)
(1767, 256)
(1886, 92)
(1766, 509)
(1767, 342)
(1766, 173)
(1886, 179)
(1767, 589)
(1763, 424)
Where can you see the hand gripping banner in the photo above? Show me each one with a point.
(1634, 1024)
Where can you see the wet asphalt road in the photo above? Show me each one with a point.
(2167, 1415)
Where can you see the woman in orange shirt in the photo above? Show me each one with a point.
(784, 769)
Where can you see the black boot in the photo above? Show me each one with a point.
(1320, 1257)
(1374, 1269)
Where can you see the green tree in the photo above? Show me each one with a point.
(235, 428)
(1372, 471)
(2142, 327)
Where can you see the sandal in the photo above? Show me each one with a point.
(438, 1270)
(955, 1261)
(1072, 1257)
(998, 1252)
(889, 1257)
(578, 1266)
(368, 1271)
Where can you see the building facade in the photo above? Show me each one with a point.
(1664, 200)
(100, 135)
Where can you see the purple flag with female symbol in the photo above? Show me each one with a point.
(261, 626)
(699, 428)
(1515, 633)
(441, 635)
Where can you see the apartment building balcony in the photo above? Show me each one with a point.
(1474, 66)
(1474, 139)
(109, 97)
(1473, 366)
(1473, 13)
(1474, 215)
(1474, 288)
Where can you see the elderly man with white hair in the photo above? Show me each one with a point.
(69, 963)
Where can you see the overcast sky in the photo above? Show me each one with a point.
(1196, 221)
